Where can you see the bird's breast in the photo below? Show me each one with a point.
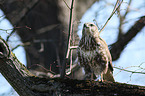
(87, 54)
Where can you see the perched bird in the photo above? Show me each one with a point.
(93, 54)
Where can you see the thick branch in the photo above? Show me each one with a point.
(120, 44)
(70, 87)
(14, 71)
(28, 85)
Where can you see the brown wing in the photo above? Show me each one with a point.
(109, 75)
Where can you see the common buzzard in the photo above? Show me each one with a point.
(93, 54)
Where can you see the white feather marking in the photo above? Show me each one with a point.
(88, 53)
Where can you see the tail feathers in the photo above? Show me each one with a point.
(108, 76)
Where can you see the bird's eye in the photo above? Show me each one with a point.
(91, 25)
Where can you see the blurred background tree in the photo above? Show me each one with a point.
(42, 26)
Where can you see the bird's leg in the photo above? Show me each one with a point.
(92, 75)
(102, 77)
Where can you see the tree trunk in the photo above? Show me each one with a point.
(43, 26)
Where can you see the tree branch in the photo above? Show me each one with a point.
(120, 44)
(116, 7)
(13, 70)
(69, 39)
(27, 84)
(129, 70)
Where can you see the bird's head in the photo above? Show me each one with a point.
(90, 29)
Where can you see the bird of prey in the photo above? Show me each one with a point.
(93, 54)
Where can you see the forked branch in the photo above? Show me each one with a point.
(68, 42)
(116, 7)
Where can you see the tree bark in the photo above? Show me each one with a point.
(26, 84)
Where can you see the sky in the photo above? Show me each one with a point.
(131, 57)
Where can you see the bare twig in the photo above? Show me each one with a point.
(96, 24)
(58, 58)
(2, 16)
(127, 10)
(23, 44)
(70, 28)
(114, 10)
(72, 44)
(6, 30)
(122, 19)
(14, 30)
(73, 47)
(20, 15)
(66, 4)
(43, 68)
(136, 70)
(10, 35)
(125, 69)
(68, 42)
(70, 62)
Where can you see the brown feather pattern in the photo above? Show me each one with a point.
(93, 53)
